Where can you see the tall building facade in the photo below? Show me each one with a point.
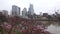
(31, 10)
(15, 10)
(5, 12)
(24, 13)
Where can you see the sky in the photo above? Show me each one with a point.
(45, 6)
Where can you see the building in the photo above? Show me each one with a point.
(0, 12)
(5, 12)
(41, 14)
(15, 10)
(31, 10)
(24, 13)
(45, 14)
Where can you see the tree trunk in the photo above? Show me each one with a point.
(1, 30)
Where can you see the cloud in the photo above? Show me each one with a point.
(39, 5)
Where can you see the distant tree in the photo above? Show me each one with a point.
(3, 18)
(49, 17)
(57, 15)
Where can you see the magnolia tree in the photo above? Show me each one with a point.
(16, 25)
(6, 26)
(3, 19)
(14, 21)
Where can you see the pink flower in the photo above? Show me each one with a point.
(12, 33)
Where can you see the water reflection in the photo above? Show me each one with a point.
(53, 27)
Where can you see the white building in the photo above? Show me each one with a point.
(15, 10)
(31, 10)
(5, 12)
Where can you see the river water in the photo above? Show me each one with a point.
(54, 27)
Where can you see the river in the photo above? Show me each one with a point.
(54, 27)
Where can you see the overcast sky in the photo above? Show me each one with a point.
(39, 5)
